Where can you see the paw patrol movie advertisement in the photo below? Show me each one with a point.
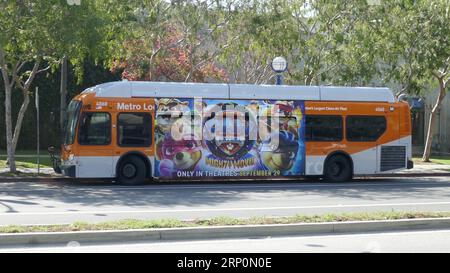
(214, 138)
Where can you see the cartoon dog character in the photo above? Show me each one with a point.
(178, 155)
(284, 112)
(168, 110)
(281, 154)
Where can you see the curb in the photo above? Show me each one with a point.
(443, 174)
(69, 179)
(223, 232)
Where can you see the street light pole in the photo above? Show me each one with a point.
(63, 94)
(279, 79)
(279, 65)
(36, 102)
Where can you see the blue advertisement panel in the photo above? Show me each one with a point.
(239, 138)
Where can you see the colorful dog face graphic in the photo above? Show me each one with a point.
(178, 155)
(280, 154)
(184, 153)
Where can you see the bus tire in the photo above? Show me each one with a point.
(338, 168)
(132, 171)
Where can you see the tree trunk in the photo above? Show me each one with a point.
(9, 135)
(152, 57)
(309, 79)
(11, 140)
(8, 120)
(431, 124)
(191, 66)
(20, 116)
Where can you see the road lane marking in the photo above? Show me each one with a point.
(221, 209)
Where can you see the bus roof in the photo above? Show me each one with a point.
(130, 89)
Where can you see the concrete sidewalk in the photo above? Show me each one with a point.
(428, 168)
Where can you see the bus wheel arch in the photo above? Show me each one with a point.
(132, 160)
(341, 160)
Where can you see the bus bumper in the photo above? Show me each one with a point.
(68, 170)
(410, 164)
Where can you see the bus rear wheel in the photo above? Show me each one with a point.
(337, 168)
(132, 171)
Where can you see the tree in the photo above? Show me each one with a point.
(400, 43)
(415, 50)
(201, 24)
(310, 34)
(34, 35)
(245, 56)
(171, 64)
(435, 49)
(174, 41)
(136, 35)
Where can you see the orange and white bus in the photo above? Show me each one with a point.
(139, 131)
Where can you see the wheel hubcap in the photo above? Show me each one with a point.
(129, 170)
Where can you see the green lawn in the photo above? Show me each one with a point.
(27, 162)
(434, 159)
(27, 152)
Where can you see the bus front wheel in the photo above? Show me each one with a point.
(132, 171)
(337, 168)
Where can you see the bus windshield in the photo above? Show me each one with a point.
(73, 112)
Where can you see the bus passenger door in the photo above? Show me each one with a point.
(95, 154)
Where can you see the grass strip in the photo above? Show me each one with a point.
(28, 163)
(20, 174)
(222, 221)
(444, 160)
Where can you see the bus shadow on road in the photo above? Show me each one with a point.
(257, 181)
(194, 193)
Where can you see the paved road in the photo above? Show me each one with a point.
(420, 241)
(57, 203)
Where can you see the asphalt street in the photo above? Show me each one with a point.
(65, 202)
(409, 242)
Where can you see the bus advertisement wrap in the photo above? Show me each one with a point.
(205, 138)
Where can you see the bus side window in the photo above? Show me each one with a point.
(95, 129)
(323, 128)
(365, 128)
(134, 129)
